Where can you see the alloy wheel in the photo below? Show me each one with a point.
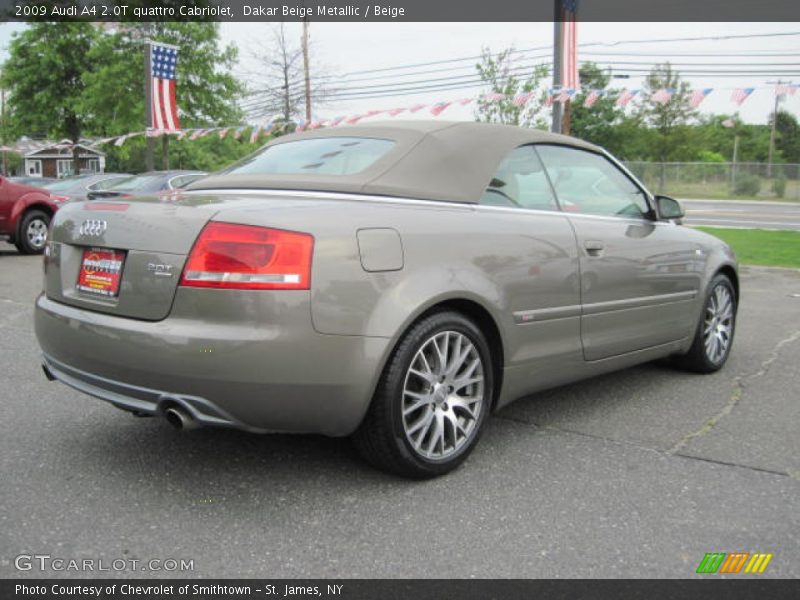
(443, 395)
(36, 234)
(718, 324)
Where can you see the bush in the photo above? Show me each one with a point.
(779, 186)
(747, 185)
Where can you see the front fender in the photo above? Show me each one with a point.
(26, 202)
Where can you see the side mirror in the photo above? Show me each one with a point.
(668, 208)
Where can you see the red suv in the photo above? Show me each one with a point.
(25, 213)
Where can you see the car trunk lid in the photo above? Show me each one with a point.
(123, 257)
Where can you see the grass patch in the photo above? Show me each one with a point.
(760, 246)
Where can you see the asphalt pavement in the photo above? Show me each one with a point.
(742, 213)
(633, 474)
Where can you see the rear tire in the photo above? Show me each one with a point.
(432, 401)
(33, 232)
(713, 337)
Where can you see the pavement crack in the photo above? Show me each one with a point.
(668, 453)
(593, 436)
(737, 392)
(773, 356)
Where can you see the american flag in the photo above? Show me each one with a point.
(698, 96)
(493, 97)
(238, 133)
(662, 96)
(548, 99)
(522, 99)
(254, 134)
(439, 107)
(785, 88)
(739, 95)
(417, 107)
(569, 45)
(337, 120)
(163, 108)
(593, 97)
(223, 132)
(565, 95)
(626, 96)
(465, 101)
(395, 111)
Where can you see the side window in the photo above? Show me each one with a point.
(589, 183)
(520, 181)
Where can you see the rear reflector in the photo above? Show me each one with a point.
(249, 258)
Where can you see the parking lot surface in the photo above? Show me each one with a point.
(633, 474)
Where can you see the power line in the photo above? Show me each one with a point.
(584, 45)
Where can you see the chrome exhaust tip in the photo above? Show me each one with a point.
(180, 419)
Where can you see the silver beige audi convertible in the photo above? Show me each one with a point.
(394, 282)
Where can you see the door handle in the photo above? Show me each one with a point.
(594, 247)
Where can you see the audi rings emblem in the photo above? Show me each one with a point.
(93, 227)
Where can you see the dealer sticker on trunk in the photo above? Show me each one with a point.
(101, 271)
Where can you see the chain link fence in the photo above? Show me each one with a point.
(720, 180)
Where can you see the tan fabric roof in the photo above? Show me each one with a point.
(432, 160)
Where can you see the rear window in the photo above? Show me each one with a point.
(104, 184)
(139, 183)
(322, 156)
(61, 185)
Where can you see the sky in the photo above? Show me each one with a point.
(341, 48)
(346, 47)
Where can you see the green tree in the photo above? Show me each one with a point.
(787, 141)
(498, 73)
(207, 93)
(604, 123)
(45, 77)
(670, 120)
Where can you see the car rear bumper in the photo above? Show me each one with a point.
(253, 362)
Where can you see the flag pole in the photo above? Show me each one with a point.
(558, 68)
(148, 103)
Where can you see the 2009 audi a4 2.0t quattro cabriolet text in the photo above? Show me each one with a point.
(393, 282)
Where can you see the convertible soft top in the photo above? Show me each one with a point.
(431, 160)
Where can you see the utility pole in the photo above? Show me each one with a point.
(306, 69)
(774, 123)
(3, 125)
(148, 101)
(558, 68)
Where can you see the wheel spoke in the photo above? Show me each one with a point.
(460, 384)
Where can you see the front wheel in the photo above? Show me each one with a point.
(432, 400)
(714, 334)
(33, 232)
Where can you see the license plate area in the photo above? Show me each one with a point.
(100, 272)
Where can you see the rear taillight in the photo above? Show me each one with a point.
(245, 257)
(58, 198)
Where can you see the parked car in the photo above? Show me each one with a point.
(394, 282)
(79, 186)
(151, 182)
(25, 213)
(30, 180)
